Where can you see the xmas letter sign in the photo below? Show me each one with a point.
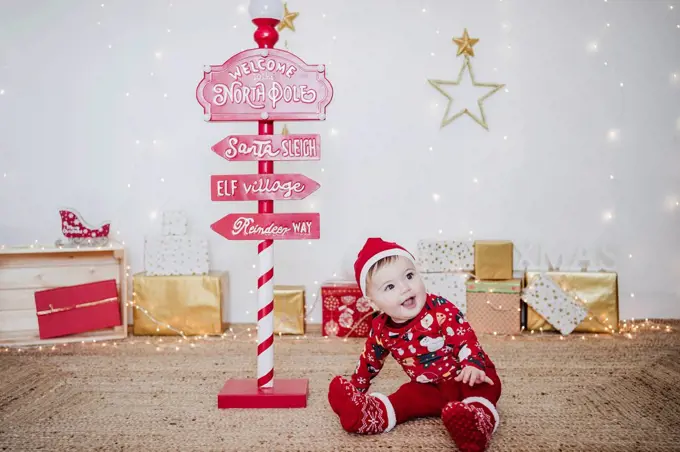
(250, 226)
(256, 187)
(264, 84)
(269, 147)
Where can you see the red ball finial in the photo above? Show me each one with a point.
(266, 35)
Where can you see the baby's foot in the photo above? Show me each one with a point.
(359, 413)
(470, 426)
(339, 391)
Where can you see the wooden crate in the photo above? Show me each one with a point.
(25, 270)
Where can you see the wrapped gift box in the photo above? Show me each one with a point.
(174, 222)
(449, 285)
(345, 312)
(289, 309)
(494, 306)
(435, 256)
(598, 291)
(189, 304)
(67, 310)
(564, 311)
(493, 260)
(176, 255)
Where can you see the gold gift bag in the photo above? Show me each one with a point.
(289, 309)
(191, 304)
(597, 290)
(493, 260)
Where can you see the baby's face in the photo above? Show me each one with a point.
(398, 290)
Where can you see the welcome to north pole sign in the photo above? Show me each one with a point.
(265, 85)
(268, 84)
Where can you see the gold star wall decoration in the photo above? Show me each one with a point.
(465, 47)
(288, 18)
(465, 44)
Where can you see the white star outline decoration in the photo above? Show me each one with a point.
(438, 85)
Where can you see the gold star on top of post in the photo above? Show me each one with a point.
(288, 18)
(465, 44)
(438, 85)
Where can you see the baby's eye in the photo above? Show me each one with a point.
(389, 287)
(409, 275)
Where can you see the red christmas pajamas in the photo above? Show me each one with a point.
(432, 349)
(413, 400)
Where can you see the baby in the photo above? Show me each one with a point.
(450, 374)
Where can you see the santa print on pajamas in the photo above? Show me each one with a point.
(432, 348)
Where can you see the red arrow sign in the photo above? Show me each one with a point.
(269, 147)
(256, 187)
(272, 226)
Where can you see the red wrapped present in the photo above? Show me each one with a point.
(77, 309)
(345, 312)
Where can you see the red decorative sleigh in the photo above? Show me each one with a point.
(79, 232)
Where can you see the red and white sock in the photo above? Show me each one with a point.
(358, 412)
(471, 423)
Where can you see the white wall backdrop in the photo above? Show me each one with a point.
(98, 112)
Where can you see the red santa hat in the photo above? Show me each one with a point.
(374, 250)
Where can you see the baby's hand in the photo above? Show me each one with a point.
(473, 375)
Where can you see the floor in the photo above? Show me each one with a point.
(580, 393)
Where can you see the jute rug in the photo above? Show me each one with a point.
(600, 393)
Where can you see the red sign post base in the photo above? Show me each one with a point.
(244, 393)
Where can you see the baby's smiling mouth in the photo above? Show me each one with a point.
(409, 303)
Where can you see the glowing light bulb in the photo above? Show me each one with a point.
(435, 196)
(159, 55)
(613, 135)
(424, 10)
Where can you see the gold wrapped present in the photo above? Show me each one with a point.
(168, 305)
(493, 260)
(598, 291)
(289, 309)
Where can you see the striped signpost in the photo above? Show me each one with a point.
(265, 85)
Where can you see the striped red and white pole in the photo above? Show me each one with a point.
(265, 315)
(266, 36)
(265, 284)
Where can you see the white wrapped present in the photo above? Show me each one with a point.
(176, 255)
(445, 256)
(563, 311)
(174, 222)
(448, 285)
